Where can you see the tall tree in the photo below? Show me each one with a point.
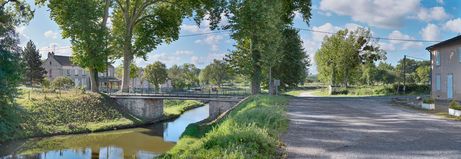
(341, 54)
(424, 73)
(369, 73)
(216, 73)
(139, 26)
(293, 67)
(257, 27)
(34, 70)
(85, 23)
(184, 76)
(176, 77)
(386, 73)
(156, 74)
(12, 14)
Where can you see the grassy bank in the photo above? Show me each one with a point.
(45, 114)
(69, 112)
(174, 108)
(250, 131)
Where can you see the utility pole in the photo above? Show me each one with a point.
(404, 73)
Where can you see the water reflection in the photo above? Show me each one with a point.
(137, 143)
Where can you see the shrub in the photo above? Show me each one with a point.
(62, 83)
(429, 101)
(455, 105)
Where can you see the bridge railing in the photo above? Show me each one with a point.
(233, 92)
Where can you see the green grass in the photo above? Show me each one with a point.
(174, 108)
(294, 92)
(46, 114)
(378, 90)
(250, 131)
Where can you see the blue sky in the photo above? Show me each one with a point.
(432, 20)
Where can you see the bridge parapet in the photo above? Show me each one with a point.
(150, 107)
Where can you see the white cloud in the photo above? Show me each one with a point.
(202, 61)
(183, 53)
(430, 32)
(327, 27)
(193, 28)
(386, 14)
(453, 25)
(21, 30)
(402, 45)
(435, 13)
(50, 34)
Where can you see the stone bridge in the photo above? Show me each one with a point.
(150, 107)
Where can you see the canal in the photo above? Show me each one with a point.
(137, 143)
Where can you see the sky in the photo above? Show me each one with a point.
(429, 20)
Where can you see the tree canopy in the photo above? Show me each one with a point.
(341, 54)
(257, 27)
(156, 74)
(294, 62)
(184, 76)
(215, 73)
(34, 71)
(84, 22)
(12, 14)
(140, 26)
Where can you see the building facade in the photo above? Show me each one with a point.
(56, 66)
(446, 69)
(140, 83)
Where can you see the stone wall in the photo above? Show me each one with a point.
(218, 107)
(148, 109)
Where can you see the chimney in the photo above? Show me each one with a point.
(50, 54)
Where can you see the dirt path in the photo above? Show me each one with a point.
(367, 127)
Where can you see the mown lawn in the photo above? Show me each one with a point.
(250, 131)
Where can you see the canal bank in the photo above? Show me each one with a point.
(72, 112)
(251, 130)
(144, 142)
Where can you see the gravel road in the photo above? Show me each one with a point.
(367, 127)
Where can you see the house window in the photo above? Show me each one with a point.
(437, 82)
(437, 58)
(68, 72)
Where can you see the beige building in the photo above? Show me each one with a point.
(446, 69)
(56, 66)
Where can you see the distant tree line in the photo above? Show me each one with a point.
(183, 76)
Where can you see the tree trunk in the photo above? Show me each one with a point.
(256, 80)
(126, 73)
(94, 80)
(127, 49)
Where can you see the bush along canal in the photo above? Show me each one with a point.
(144, 142)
